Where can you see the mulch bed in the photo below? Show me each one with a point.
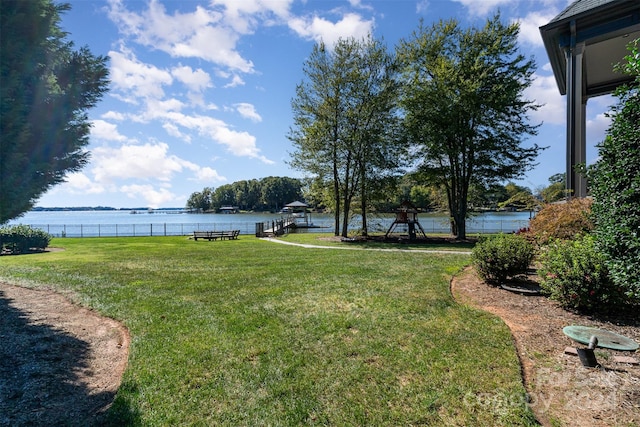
(561, 390)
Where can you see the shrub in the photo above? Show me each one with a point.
(575, 274)
(561, 221)
(22, 238)
(501, 257)
(615, 186)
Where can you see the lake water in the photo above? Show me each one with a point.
(173, 223)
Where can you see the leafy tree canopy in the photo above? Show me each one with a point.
(46, 88)
(345, 118)
(466, 115)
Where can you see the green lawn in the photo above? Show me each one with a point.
(250, 332)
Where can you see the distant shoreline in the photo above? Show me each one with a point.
(98, 208)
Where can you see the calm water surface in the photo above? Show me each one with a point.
(169, 223)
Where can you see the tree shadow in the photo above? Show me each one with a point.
(39, 381)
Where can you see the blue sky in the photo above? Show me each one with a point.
(201, 90)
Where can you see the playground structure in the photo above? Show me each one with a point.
(407, 214)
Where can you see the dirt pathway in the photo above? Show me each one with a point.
(60, 364)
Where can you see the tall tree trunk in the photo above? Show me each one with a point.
(346, 207)
(363, 204)
(459, 225)
(336, 177)
(336, 192)
(345, 220)
(459, 209)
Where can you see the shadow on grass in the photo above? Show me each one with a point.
(39, 382)
(404, 242)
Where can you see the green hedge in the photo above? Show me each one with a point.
(19, 239)
(503, 256)
(575, 274)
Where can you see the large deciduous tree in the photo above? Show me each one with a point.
(345, 119)
(465, 112)
(46, 88)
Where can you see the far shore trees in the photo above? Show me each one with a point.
(345, 124)
(465, 112)
(46, 88)
(265, 194)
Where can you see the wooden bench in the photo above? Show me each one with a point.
(215, 235)
(230, 235)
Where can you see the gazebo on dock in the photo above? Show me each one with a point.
(298, 210)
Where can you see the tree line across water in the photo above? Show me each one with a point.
(271, 194)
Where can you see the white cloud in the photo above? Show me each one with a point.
(147, 162)
(358, 4)
(544, 90)
(241, 144)
(530, 27)
(320, 29)
(243, 16)
(175, 132)
(597, 127)
(101, 129)
(156, 109)
(604, 102)
(154, 197)
(196, 81)
(79, 183)
(202, 33)
(235, 81)
(134, 79)
(422, 6)
(222, 51)
(482, 7)
(113, 115)
(206, 174)
(248, 111)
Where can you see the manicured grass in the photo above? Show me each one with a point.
(250, 332)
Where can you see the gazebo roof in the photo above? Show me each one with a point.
(296, 204)
(605, 27)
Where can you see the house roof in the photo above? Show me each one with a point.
(578, 7)
(605, 27)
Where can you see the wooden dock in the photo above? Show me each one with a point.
(276, 227)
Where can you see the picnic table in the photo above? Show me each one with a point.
(215, 235)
